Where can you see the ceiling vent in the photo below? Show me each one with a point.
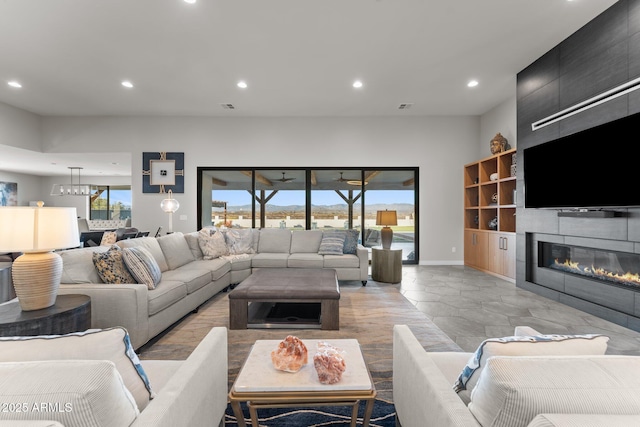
(588, 103)
(405, 106)
(228, 106)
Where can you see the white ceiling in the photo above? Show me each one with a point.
(298, 57)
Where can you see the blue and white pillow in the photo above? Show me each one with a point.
(536, 345)
(351, 241)
(142, 266)
(111, 344)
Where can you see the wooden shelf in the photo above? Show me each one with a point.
(490, 214)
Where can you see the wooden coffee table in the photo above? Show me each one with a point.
(287, 285)
(262, 386)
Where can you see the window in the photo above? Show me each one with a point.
(110, 202)
(313, 198)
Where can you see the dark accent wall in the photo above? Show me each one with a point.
(603, 54)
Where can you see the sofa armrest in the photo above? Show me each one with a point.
(196, 395)
(421, 393)
(116, 305)
(363, 257)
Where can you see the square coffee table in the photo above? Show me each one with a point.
(263, 386)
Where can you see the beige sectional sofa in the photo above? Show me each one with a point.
(188, 279)
(535, 382)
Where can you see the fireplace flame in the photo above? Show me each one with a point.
(597, 272)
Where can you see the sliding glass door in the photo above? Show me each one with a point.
(314, 198)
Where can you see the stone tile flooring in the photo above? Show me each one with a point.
(470, 306)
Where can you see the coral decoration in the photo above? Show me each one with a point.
(291, 355)
(329, 363)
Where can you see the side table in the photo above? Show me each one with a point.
(386, 265)
(70, 313)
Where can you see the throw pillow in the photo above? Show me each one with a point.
(111, 344)
(538, 345)
(143, 266)
(332, 243)
(212, 245)
(239, 241)
(108, 238)
(111, 267)
(351, 241)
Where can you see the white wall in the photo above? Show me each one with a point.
(504, 119)
(19, 128)
(439, 146)
(29, 186)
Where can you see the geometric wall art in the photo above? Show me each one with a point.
(162, 171)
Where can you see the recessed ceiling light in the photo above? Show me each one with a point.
(242, 84)
(15, 84)
(357, 84)
(127, 84)
(472, 83)
(190, 1)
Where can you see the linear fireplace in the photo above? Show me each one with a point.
(612, 267)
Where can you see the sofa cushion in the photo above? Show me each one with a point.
(111, 344)
(111, 267)
(269, 260)
(584, 420)
(175, 250)
(341, 261)
(274, 240)
(78, 267)
(143, 266)
(306, 241)
(537, 345)
(194, 246)
(218, 267)
(167, 292)
(332, 243)
(108, 238)
(212, 245)
(239, 262)
(76, 393)
(194, 278)
(512, 391)
(149, 243)
(239, 241)
(305, 260)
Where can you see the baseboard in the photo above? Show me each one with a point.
(454, 262)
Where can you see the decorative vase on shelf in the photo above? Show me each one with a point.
(493, 224)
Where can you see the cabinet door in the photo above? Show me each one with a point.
(502, 254)
(475, 249)
(509, 255)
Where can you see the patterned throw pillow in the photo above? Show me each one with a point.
(142, 265)
(239, 241)
(108, 238)
(212, 245)
(332, 243)
(537, 345)
(351, 241)
(111, 267)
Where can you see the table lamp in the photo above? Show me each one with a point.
(386, 218)
(37, 231)
(170, 205)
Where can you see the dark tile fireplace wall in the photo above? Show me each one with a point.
(603, 54)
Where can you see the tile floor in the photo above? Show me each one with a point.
(470, 306)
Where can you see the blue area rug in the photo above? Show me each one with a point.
(331, 416)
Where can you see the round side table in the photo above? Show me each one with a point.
(386, 265)
(70, 313)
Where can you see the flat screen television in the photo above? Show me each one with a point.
(592, 169)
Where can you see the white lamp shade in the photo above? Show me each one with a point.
(169, 205)
(386, 218)
(38, 229)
